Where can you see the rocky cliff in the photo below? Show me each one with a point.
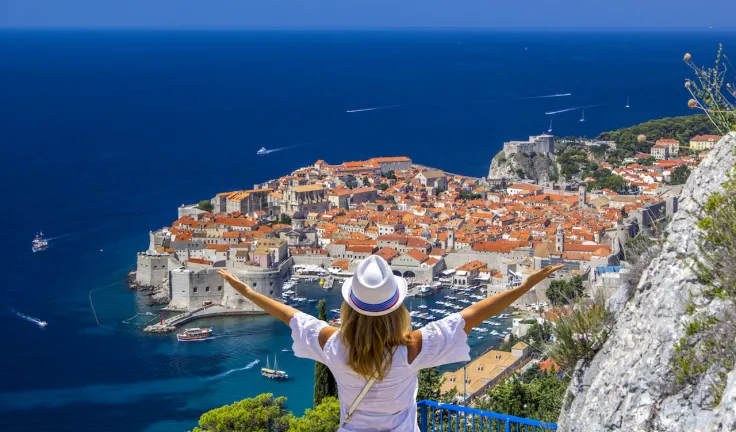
(629, 385)
(533, 166)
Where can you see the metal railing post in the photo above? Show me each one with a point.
(423, 417)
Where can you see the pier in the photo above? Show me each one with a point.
(189, 315)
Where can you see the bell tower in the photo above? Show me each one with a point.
(560, 240)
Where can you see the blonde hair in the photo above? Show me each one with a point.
(368, 339)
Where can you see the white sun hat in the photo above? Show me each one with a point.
(374, 290)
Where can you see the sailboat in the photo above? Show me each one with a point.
(582, 119)
(627, 102)
(274, 373)
(550, 127)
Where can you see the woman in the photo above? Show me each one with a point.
(375, 357)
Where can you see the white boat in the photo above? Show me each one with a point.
(550, 127)
(582, 119)
(274, 373)
(262, 151)
(627, 102)
(337, 311)
(194, 334)
(39, 243)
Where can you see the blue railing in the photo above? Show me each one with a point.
(434, 416)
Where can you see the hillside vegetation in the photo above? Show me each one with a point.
(680, 128)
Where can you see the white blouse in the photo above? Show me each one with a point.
(390, 405)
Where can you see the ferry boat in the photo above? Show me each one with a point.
(262, 151)
(39, 243)
(194, 334)
(275, 373)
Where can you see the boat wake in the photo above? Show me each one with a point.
(572, 109)
(546, 96)
(60, 237)
(269, 151)
(371, 108)
(226, 373)
(36, 321)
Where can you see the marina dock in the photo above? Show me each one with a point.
(172, 323)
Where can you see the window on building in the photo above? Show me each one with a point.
(255, 284)
(270, 283)
(207, 289)
(195, 289)
(219, 288)
(271, 292)
(452, 379)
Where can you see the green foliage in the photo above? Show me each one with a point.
(580, 334)
(680, 128)
(366, 181)
(571, 161)
(391, 175)
(262, 413)
(647, 162)
(284, 219)
(680, 175)
(510, 342)
(205, 205)
(520, 173)
(554, 177)
(561, 292)
(635, 247)
(467, 196)
(430, 384)
(383, 186)
(607, 180)
(324, 382)
(324, 418)
(599, 150)
(538, 334)
(539, 399)
(351, 182)
(501, 157)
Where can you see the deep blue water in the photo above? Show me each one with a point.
(103, 134)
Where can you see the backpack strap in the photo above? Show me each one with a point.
(362, 394)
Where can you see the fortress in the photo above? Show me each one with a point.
(541, 144)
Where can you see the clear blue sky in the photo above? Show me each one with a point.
(165, 14)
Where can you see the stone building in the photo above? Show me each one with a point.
(245, 201)
(299, 235)
(305, 199)
(660, 151)
(541, 144)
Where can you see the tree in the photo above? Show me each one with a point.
(430, 384)
(538, 333)
(520, 173)
(539, 399)
(285, 219)
(383, 186)
(351, 182)
(262, 413)
(506, 345)
(680, 175)
(562, 292)
(325, 417)
(324, 382)
(366, 182)
(205, 205)
(391, 175)
(647, 161)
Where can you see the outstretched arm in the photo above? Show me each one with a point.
(475, 314)
(271, 306)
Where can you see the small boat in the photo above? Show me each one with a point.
(550, 127)
(285, 350)
(627, 102)
(39, 243)
(194, 334)
(262, 151)
(275, 373)
(43, 323)
(582, 119)
(336, 311)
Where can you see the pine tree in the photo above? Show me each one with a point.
(324, 383)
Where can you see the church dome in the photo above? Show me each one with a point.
(298, 215)
(426, 234)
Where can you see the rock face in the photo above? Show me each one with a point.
(629, 385)
(536, 167)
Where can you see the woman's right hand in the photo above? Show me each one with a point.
(541, 275)
(233, 280)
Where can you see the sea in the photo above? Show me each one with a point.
(105, 133)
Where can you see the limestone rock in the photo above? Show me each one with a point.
(629, 385)
(536, 167)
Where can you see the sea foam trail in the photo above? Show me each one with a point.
(36, 321)
(301, 144)
(571, 109)
(371, 108)
(226, 373)
(545, 96)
